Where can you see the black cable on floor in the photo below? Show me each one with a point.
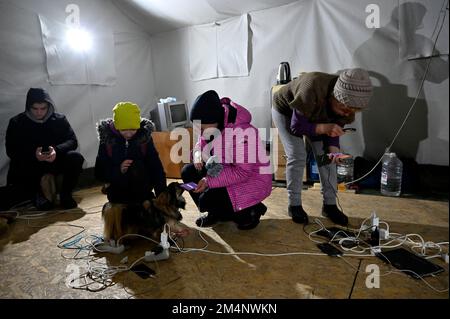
(354, 280)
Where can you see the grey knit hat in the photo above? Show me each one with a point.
(353, 88)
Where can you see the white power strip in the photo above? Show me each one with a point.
(151, 256)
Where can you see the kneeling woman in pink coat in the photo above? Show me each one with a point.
(230, 166)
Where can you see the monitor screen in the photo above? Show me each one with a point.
(178, 113)
(170, 115)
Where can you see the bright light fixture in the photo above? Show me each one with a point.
(79, 39)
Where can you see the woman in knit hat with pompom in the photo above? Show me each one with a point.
(317, 105)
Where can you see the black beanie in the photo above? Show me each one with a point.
(207, 108)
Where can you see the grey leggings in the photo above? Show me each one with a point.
(294, 147)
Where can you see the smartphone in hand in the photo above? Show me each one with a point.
(338, 155)
(45, 150)
(189, 186)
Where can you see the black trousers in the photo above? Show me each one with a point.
(24, 178)
(214, 200)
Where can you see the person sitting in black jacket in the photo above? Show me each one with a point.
(127, 160)
(41, 144)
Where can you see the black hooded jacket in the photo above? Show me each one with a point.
(146, 171)
(25, 134)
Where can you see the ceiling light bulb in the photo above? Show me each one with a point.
(79, 39)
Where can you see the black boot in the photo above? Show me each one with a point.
(67, 201)
(333, 213)
(249, 217)
(41, 202)
(225, 217)
(298, 214)
(208, 220)
(261, 208)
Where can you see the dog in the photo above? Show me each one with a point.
(146, 219)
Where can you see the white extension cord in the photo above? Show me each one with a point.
(164, 244)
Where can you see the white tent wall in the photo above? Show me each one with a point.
(312, 35)
(327, 35)
(23, 65)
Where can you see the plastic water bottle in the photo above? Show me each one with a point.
(391, 175)
(345, 170)
(314, 170)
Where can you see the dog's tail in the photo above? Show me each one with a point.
(112, 217)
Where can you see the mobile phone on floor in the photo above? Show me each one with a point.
(143, 271)
(329, 249)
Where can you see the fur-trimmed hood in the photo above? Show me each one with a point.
(107, 133)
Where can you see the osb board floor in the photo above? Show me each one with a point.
(32, 266)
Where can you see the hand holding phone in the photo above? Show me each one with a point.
(333, 158)
(338, 155)
(125, 165)
(45, 150)
(43, 153)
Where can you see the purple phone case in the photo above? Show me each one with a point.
(189, 186)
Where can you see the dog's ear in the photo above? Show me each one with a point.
(163, 197)
(175, 188)
(173, 185)
(146, 204)
(179, 189)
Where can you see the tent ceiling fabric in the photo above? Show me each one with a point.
(157, 16)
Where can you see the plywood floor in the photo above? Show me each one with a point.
(32, 266)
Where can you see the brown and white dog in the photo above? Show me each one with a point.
(147, 219)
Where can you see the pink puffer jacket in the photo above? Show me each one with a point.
(246, 170)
